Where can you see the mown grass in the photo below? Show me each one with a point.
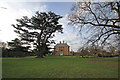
(60, 67)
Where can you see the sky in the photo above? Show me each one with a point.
(10, 11)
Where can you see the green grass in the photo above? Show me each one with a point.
(60, 67)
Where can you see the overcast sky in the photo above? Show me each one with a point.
(10, 11)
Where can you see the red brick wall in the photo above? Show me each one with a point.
(65, 50)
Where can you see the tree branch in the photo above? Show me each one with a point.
(113, 26)
(93, 13)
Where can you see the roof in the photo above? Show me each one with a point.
(62, 44)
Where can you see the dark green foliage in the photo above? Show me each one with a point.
(5, 52)
(108, 55)
(99, 55)
(16, 49)
(39, 30)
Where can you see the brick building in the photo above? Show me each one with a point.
(61, 49)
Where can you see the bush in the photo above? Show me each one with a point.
(107, 55)
(99, 55)
(13, 53)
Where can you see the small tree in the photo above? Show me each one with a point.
(39, 30)
(83, 52)
(16, 48)
(89, 50)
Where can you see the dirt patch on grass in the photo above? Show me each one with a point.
(106, 63)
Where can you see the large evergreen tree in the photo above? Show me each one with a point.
(38, 30)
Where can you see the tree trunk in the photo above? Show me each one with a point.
(82, 56)
(39, 55)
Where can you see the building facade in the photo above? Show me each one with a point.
(62, 49)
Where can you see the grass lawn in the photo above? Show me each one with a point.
(60, 67)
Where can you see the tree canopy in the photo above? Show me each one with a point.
(17, 45)
(15, 48)
(38, 30)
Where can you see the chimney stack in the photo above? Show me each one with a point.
(60, 42)
(63, 41)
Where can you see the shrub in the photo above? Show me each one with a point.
(99, 55)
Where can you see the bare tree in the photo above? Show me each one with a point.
(83, 52)
(101, 19)
(89, 50)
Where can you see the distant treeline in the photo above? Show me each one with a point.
(16, 53)
(95, 52)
